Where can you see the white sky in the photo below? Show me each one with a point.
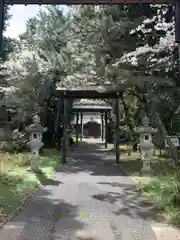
(20, 14)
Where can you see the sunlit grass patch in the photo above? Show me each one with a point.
(74, 140)
(16, 183)
(163, 190)
(121, 147)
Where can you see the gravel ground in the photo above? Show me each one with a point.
(90, 198)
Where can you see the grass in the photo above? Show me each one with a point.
(74, 140)
(123, 148)
(162, 188)
(16, 183)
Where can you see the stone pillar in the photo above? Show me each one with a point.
(65, 129)
(77, 122)
(146, 158)
(146, 144)
(35, 160)
(35, 144)
(146, 147)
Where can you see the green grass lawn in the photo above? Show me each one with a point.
(16, 182)
(74, 140)
(123, 147)
(163, 190)
(161, 187)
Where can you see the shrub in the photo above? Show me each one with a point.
(15, 141)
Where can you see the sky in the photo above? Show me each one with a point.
(20, 14)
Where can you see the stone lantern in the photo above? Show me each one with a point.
(146, 145)
(35, 141)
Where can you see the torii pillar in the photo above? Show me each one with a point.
(77, 126)
(65, 129)
(117, 133)
(102, 127)
(82, 125)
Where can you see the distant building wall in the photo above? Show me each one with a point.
(91, 116)
(91, 124)
(92, 129)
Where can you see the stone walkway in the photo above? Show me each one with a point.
(90, 198)
(166, 232)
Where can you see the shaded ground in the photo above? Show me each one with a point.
(91, 196)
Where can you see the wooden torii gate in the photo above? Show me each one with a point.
(82, 93)
(110, 93)
(104, 110)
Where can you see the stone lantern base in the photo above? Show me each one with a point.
(146, 156)
(35, 145)
(35, 163)
(146, 165)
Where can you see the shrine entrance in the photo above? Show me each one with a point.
(92, 129)
(87, 93)
(91, 119)
(93, 93)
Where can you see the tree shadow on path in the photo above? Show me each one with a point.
(92, 158)
(131, 202)
(39, 217)
(44, 180)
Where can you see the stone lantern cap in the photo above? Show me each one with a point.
(36, 126)
(145, 128)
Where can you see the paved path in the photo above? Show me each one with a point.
(90, 198)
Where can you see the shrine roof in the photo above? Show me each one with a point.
(91, 105)
(91, 108)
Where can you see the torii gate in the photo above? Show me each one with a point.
(95, 2)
